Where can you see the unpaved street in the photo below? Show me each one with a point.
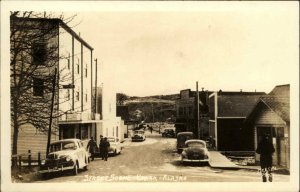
(155, 159)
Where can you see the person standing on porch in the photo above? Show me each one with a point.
(266, 149)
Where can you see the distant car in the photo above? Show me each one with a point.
(138, 135)
(195, 151)
(115, 146)
(169, 133)
(182, 137)
(66, 154)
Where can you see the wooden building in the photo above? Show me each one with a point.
(271, 115)
(227, 113)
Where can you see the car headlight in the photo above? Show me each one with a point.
(183, 154)
(43, 162)
(68, 158)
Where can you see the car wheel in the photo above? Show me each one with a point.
(45, 175)
(75, 169)
(86, 164)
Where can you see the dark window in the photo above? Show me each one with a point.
(86, 98)
(86, 71)
(78, 67)
(39, 53)
(68, 94)
(38, 87)
(77, 95)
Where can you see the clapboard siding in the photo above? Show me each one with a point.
(29, 138)
(267, 116)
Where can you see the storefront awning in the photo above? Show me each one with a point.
(79, 122)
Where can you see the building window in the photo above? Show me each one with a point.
(68, 94)
(78, 66)
(77, 95)
(39, 53)
(68, 61)
(86, 96)
(38, 87)
(86, 71)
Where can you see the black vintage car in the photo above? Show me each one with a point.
(169, 133)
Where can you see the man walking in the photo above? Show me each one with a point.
(265, 148)
(92, 147)
(106, 146)
(101, 144)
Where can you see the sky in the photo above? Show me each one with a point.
(229, 46)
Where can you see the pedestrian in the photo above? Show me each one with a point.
(151, 129)
(91, 147)
(101, 144)
(265, 148)
(106, 146)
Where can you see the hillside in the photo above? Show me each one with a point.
(152, 108)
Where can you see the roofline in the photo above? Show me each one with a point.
(63, 24)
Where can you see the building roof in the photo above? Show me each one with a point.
(238, 104)
(57, 21)
(281, 90)
(278, 100)
(280, 105)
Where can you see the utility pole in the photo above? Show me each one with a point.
(51, 111)
(96, 85)
(197, 109)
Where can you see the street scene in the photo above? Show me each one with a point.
(188, 95)
(156, 160)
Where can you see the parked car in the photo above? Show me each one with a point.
(169, 132)
(195, 151)
(115, 146)
(182, 137)
(65, 155)
(138, 135)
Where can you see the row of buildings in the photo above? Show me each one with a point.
(83, 107)
(237, 120)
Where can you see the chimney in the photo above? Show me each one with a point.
(241, 90)
(202, 89)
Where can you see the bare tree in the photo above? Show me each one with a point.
(121, 98)
(34, 56)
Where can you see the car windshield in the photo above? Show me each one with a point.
(111, 139)
(196, 144)
(66, 145)
(139, 132)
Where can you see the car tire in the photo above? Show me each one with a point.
(86, 164)
(75, 169)
(45, 175)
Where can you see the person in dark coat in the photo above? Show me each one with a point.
(101, 144)
(265, 148)
(106, 146)
(91, 147)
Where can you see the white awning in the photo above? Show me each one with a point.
(79, 122)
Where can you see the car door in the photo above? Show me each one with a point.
(80, 154)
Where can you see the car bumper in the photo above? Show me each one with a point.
(56, 168)
(194, 160)
(137, 139)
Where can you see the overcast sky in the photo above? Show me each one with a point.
(222, 45)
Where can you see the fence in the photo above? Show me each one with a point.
(27, 159)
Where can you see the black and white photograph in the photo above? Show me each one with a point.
(149, 96)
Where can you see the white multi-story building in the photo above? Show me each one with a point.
(75, 114)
